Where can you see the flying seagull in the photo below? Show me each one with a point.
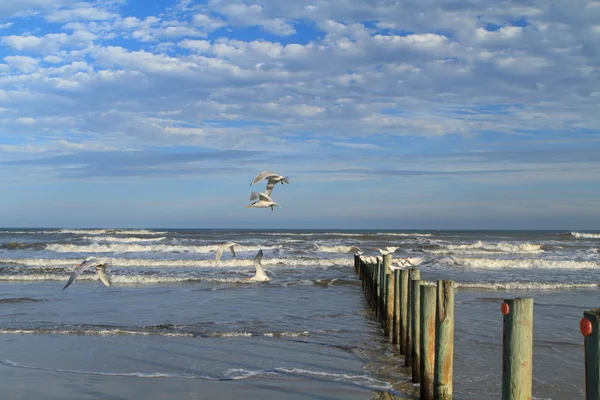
(260, 275)
(87, 263)
(222, 248)
(264, 201)
(272, 179)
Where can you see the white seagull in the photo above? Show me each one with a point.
(264, 201)
(388, 250)
(87, 263)
(272, 179)
(221, 249)
(409, 261)
(260, 275)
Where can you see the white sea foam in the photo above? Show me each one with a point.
(154, 263)
(336, 249)
(122, 239)
(110, 231)
(531, 263)
(140, 248)
(525, 285)
(483, 247)
(360, 380)
(580, 235)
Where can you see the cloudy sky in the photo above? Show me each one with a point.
(384, 114)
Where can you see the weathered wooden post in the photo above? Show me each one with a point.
(356, 263)
(517, 344)
(389, 297)
(378, 288)
(396, 325)
(382, 280)
(590, 329)
(415, 329)
(427, 328)
(444, 341)
(403, 294)
(413, 274)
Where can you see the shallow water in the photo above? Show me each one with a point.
(175, 324)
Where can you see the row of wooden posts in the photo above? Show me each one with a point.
(416, 317)
(419, 319)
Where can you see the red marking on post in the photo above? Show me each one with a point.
(585, 326)
(504, 308)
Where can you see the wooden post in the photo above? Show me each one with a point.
(389, 297)
(382, 280)
(378, 288)
(413, 274)
(356, 263)
(403, 285)
(444, 341)
(590, 329)
(517, 343)
(427, 328)
(415, 328)
(396, 325)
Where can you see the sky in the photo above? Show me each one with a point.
(384, 114)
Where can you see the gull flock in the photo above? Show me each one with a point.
(259, 200)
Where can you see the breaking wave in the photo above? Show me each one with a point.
(486, 263)
(155, 263)
(122, 239)
(580, 235)
(110, 232)
(139, 248)
(525, 285)
(483, 247)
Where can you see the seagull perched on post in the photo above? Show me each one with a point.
(221, 249)
(264, 201)
(272, 179)
(388, 250)
(87, 263)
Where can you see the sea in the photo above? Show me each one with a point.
(175, 324)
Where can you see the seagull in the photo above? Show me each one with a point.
(356, 250)
(272, 179)
(388, 250)
(409, 261)
(87, 263)
(264, 201)
(260, 275)
(222, 248)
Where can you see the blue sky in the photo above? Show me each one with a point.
(396, 115)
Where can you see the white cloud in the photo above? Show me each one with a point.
(81, 12)
(22, 63)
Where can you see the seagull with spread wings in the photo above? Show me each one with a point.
(87, 263)
(222, 248)
(272, 179)
(260, 275)
(264, 201)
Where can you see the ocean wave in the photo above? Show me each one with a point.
(177, 332)
(110, 232)
(483, 247)
(154, 263)
(337, 249)
(524, 285)
(122, 239)
(580, 235)
(140, 248)
(532, 263)
(229, 375)
(21, 246)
